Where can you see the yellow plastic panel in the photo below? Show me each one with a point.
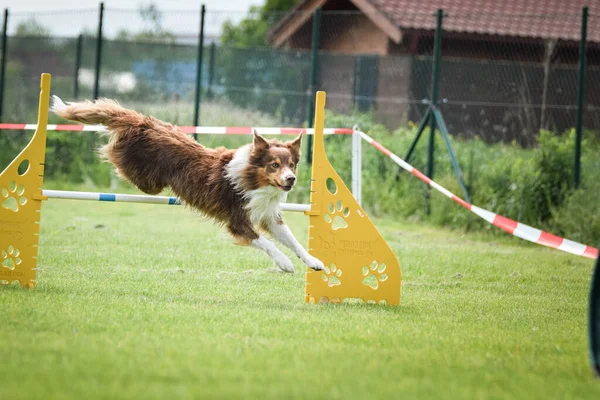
(359, 263)
(21, 203)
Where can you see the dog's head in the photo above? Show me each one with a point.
(273, 163)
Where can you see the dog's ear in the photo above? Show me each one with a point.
(259, 141)
(295, 144)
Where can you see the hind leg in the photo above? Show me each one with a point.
(245, 234)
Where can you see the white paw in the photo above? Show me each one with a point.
(314, 263)
(284, 264)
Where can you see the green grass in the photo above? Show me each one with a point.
(141, 301)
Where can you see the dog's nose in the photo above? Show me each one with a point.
(290, 180)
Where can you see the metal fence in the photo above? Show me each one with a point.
(499, 88)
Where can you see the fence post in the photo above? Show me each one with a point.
(437, 52)
(78, 52)
(3, 61)
(199, 69)
(98, 53)
(211, 70)
(580, 83)
(314, 65)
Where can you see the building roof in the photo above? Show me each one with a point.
(542, 19)
(545, 19)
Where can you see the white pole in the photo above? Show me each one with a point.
(138, 198)
(356, 164)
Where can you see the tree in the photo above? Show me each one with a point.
(31, 27)
(153, 30)
(252, 30)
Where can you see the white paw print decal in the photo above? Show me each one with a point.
(10, 257)
(374, 274)
(13, 196)
(331, 275)
(337, 215)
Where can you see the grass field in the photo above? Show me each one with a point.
(141, 301)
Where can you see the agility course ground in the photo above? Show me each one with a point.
(179, 312)
(138, 301)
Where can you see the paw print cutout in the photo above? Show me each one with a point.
(331, 275)
(10, 257)
(374, 274)
(13, 196)
(337, 215)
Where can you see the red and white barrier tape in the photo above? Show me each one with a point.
(513, 227)
(203, 130)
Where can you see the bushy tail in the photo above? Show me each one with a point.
(144, 149)
(99, 112)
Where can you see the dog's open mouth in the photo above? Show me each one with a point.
(286, 188)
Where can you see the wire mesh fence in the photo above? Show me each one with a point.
(501, 87)
(510, 89)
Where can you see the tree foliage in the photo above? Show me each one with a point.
(31, 27)
(252, 30)
(153, 30)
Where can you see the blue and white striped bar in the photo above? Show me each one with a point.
(139, 198)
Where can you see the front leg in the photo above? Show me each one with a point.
(246, 235)
(283, 234)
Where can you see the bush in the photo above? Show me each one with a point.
(533, 186)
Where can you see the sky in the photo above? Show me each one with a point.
(70, 17)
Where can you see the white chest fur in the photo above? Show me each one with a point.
(263, 204)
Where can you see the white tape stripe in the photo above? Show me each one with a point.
(485, 214)
(366, 137)
(527, 232)
(442, 190)
(401, 162)
(269, 131)
(572, 247)
(95, 128)
(30, 127)
(211, 130)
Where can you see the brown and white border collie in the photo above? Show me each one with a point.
(239, 188)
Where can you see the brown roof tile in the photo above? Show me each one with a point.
(547, 19)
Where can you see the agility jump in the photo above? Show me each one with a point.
(358, 262)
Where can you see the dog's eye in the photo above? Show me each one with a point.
(292, 165)
(275, 165)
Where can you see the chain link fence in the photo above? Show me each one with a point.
(498, 88)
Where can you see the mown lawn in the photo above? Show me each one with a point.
(152, 302)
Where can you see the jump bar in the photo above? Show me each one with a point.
(139, 198)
